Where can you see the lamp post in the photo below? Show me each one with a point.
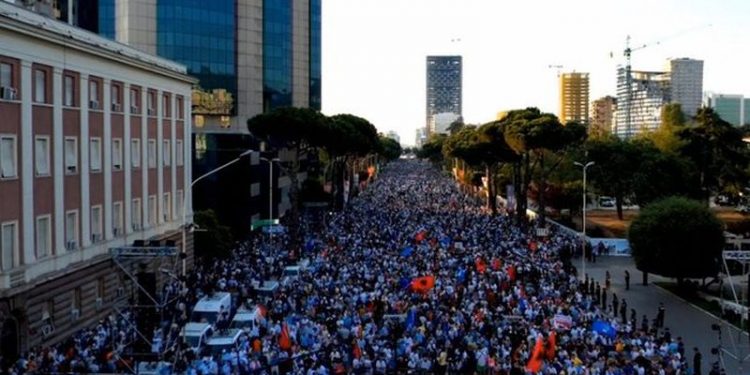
(583, 231)
(270, 194)
(185, 200)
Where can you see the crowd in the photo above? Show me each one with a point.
(413, 277)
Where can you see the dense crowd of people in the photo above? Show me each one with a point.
(413, 277)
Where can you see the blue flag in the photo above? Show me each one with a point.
(445, 241)
(309, 245)
(461, 275)
(407, 251)
(604, 328)
(404, 282)
(411, 319)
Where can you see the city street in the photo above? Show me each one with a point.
(682, 318)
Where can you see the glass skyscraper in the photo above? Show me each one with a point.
(444, 92)
(277, 54)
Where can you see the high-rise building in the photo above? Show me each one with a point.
(734, 109)
(440, 122)
(601, 118)
(444, 86)
(574, 97)
(649, 92)
(421, 137)
(686, 83)
(94, 154)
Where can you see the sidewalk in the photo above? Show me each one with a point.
(682, 318)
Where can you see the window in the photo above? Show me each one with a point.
(180, 113)
(152, 210)
(8, 156)
(179, 202)
(9, 245)
(165, 105)
(75, 303)
(117, 219)
(115, 98)
(96, 224)
(117, 154)
(135, 153)
(95, 145)
(71, 155)
(71, 230)
(180, 152)
(93, 94)
(43, 236)
(41, 156)
(152, 153)
(135, 214)
(166, 153)
(151, 103)
(133, 101)
(167, 207)
(68, 91)
(6, 75)
(40, 86)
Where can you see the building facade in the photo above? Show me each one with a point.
(393, 135)
(686, 84)
(94, 154)
(574, 97)
(601, 118)
(444, 86)
(649, 92)
(734, 109)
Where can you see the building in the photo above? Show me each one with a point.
(649, 92)
(441, 122)
(444, 86)
(421, 137)
(92, 156)
(393, 135)
(686, 84)
(734, 109)
(574, 97)
(602, 115)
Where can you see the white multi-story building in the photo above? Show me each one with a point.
(94, 154)
(686, 83)
(440, 122)
(649, 92)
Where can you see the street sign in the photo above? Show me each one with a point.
(263, 223)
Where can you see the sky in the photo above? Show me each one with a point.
(374, 51)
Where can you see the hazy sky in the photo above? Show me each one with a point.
(374, 50)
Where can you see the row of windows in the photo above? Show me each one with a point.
(9, 248)
(9, 155)
(42, 84)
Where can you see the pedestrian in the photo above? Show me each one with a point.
(697, 358)
(607, 280)
(627, 280)
(604, 298)
(624, 311)
(615, 304)
(660, 316)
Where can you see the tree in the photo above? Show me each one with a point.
(300, 130)
(214, 240)
(432, 150)
(677, 237)
(659, 175)
(390, 149)
(616, 162)
(666, 137)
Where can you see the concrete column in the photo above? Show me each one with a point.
(159, 157)
(107, 159)
(26, 141)
(58, 162)
(127, 223)
(85, 212)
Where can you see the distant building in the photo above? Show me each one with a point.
(574, 97)
(734, 109)
(440, 122)
(421, 137)
(602, 115)
(650, 91)
(393, 135)
(444, 86)
(686, 83)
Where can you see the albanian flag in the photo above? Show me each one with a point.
(423, 284)
(480, 264)
(285, 342)
(421, 235)
(537, 356)
(551, 345)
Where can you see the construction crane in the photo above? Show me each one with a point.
(628, 70)
(558, 67)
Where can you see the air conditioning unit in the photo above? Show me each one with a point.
(96, 237)
(75, 314)
(151, 112)
(7, 93)
(116, 107)
(71, 245)
(99, 303)
(133, 109)
(94, 104)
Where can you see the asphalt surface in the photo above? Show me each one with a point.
(683, 319)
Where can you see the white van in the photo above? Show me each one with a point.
(224, 340)
(246, 319)
(207, 309)
(196, 335)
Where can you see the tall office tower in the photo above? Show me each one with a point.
(602, 115)
(734, 109)
(686, 83)
(649, 92)
(444, 86)
(574, 97)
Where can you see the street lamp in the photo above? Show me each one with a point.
(185, 200)
(270, 194)
(583, 232)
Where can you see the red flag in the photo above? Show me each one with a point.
(356, 350)
(535, 362)
(420, 236)
(423, 284)
(496, 264)
(532, 246)
(480, 264)
(511, 273)
(552, 346)
(285, 342)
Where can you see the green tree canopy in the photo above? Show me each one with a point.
(677, 237)
(616, 162)
(390, 149)
(215, 239)
(432, 150)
